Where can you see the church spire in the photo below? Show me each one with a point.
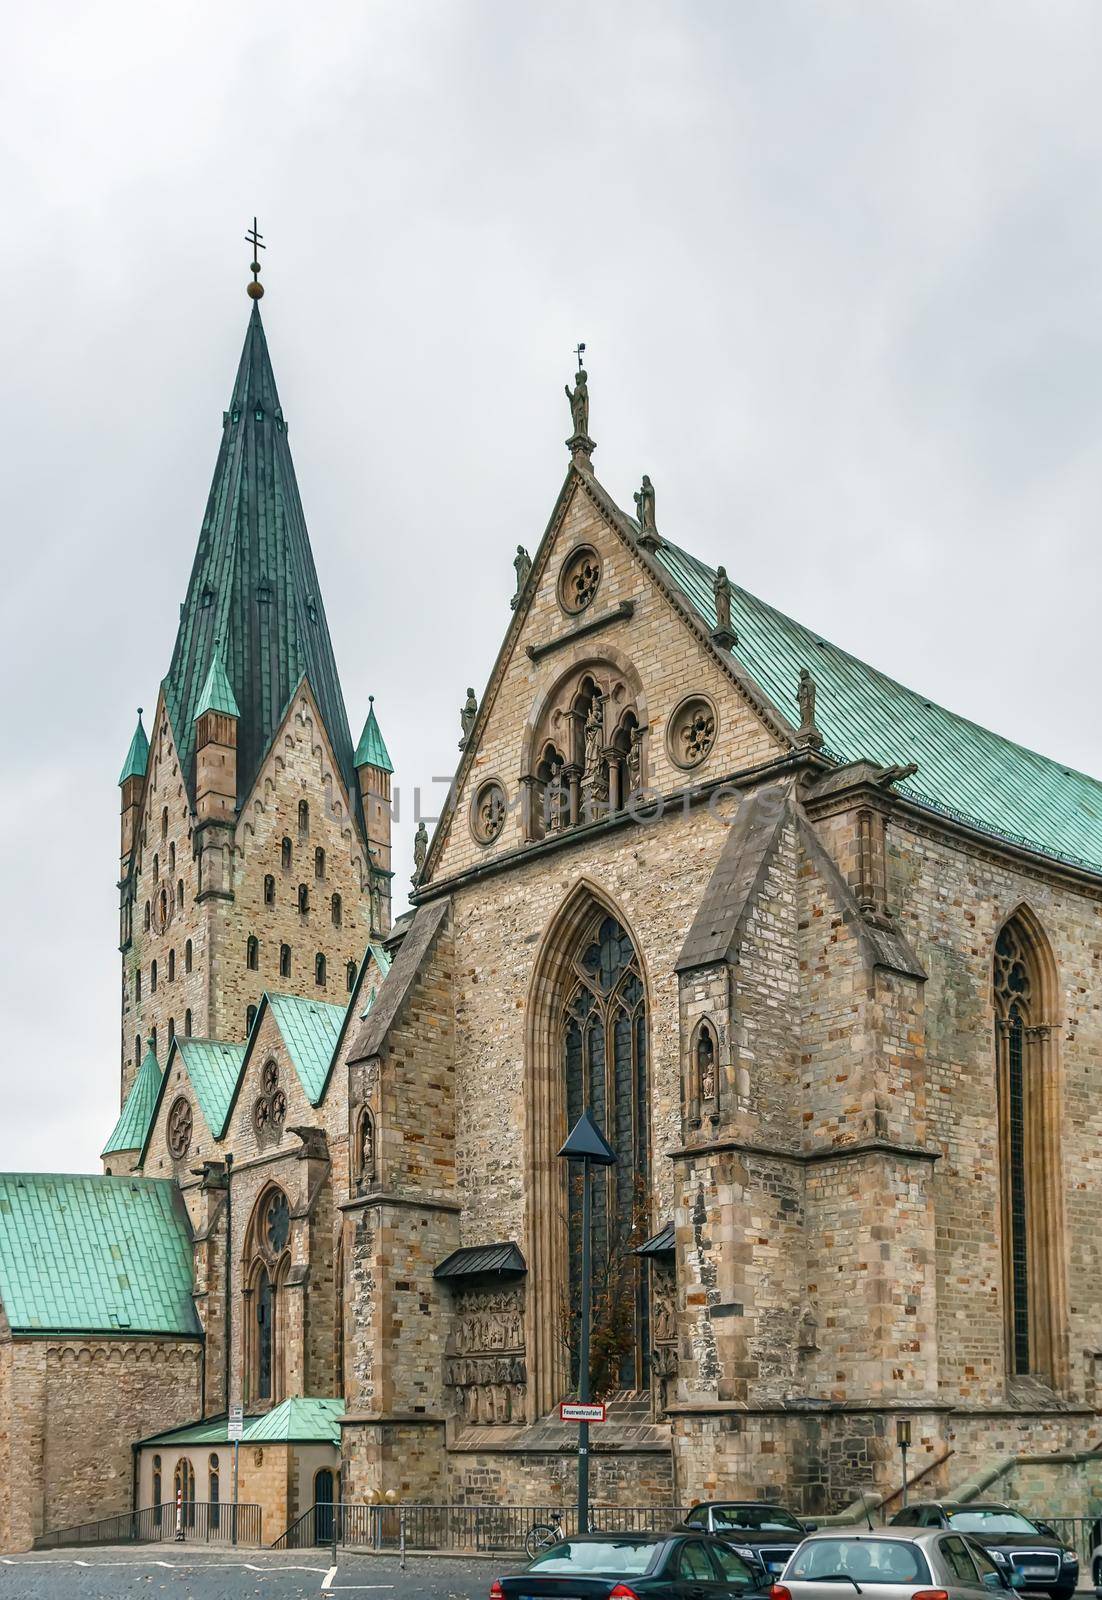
(137, 757)
(254, 587)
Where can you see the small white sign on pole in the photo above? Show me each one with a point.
(576, 1411)
(235, 1427)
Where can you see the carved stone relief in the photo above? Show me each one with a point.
(484, 1359)
(663, 1288)
(179, 1128)
(488, 811)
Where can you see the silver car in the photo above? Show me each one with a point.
(933, 1564)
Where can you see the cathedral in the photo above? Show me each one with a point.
(819, 956)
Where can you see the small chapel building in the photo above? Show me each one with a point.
(823, 959)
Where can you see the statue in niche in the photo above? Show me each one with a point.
(468, 713)
(555, 799)
(594, 737)
(706, 1064)
(635, 761)
(367, 1148)
(721, 587)
(579, 403)
(522, 566)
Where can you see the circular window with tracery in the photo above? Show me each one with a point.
(277, 1222)
(691, 734)
(179, 1127)
(579, 579)
(489, 811)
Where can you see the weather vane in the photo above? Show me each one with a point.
(579, 350)
(256, 288)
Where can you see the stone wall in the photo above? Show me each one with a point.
(55, 1396)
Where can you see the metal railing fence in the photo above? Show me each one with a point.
(1081, 1534)
(201, 1522)
(474, 1528)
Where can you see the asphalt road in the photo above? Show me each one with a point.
(250, 1575)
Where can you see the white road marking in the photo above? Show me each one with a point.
(327, 1581)
(171, 1566)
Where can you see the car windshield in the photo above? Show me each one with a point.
(595, 1555)
(864, 1560)
(995, 1520)
(755, 1519)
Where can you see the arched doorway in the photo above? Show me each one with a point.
(587, 1044)
(323, 1506)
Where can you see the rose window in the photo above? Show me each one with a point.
(579, 579)
(692, 732)
(179, 1128)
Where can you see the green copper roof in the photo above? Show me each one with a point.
(213, 1066)
(254, 587)
(382, 960)
(310, 1030)
(137, 1112)
(964, 771)
(217, 694)
(304, 1420)
(371, 750)
(81, 1254)
(137, 757)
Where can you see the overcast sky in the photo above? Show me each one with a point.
(838, 268)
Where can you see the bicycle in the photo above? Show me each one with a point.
(542, 1535)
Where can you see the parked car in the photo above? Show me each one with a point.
(1030, 1549)
(635, 1566)
(762, 1533)
(895, 1565)
(1096, 1563)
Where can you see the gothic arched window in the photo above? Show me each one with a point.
(319, 968)
(187, 956)
(303, 817)
(584, 756)
(1030, 1208)
(285, 854)
(603, 1040)
(269, 890)
(252, 953)
(285, 960)
(268, 1258)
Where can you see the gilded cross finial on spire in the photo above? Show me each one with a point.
(255, 289)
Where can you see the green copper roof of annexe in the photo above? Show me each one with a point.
(137, 757)
(964, 771)
(85, 1254)
(303, 1419)
(254, 587)
(371, 750)
(137, 1113)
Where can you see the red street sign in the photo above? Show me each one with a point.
(574, 1411)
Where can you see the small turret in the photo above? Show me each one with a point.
(373, 770)
(131, 784)
(215, 779)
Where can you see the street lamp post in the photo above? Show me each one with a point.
(587, 1144)
(903, 1440)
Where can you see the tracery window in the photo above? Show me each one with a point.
(586, 754)
(603, 1040)
(1030, 1203)
(268, 1258)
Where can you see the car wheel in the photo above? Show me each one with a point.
(1064, 1591)
(1098, 1579)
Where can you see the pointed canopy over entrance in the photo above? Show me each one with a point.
(254, 587)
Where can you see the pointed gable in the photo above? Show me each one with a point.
(310, 1029)
(254, 587)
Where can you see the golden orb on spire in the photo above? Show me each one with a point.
(255, 289)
